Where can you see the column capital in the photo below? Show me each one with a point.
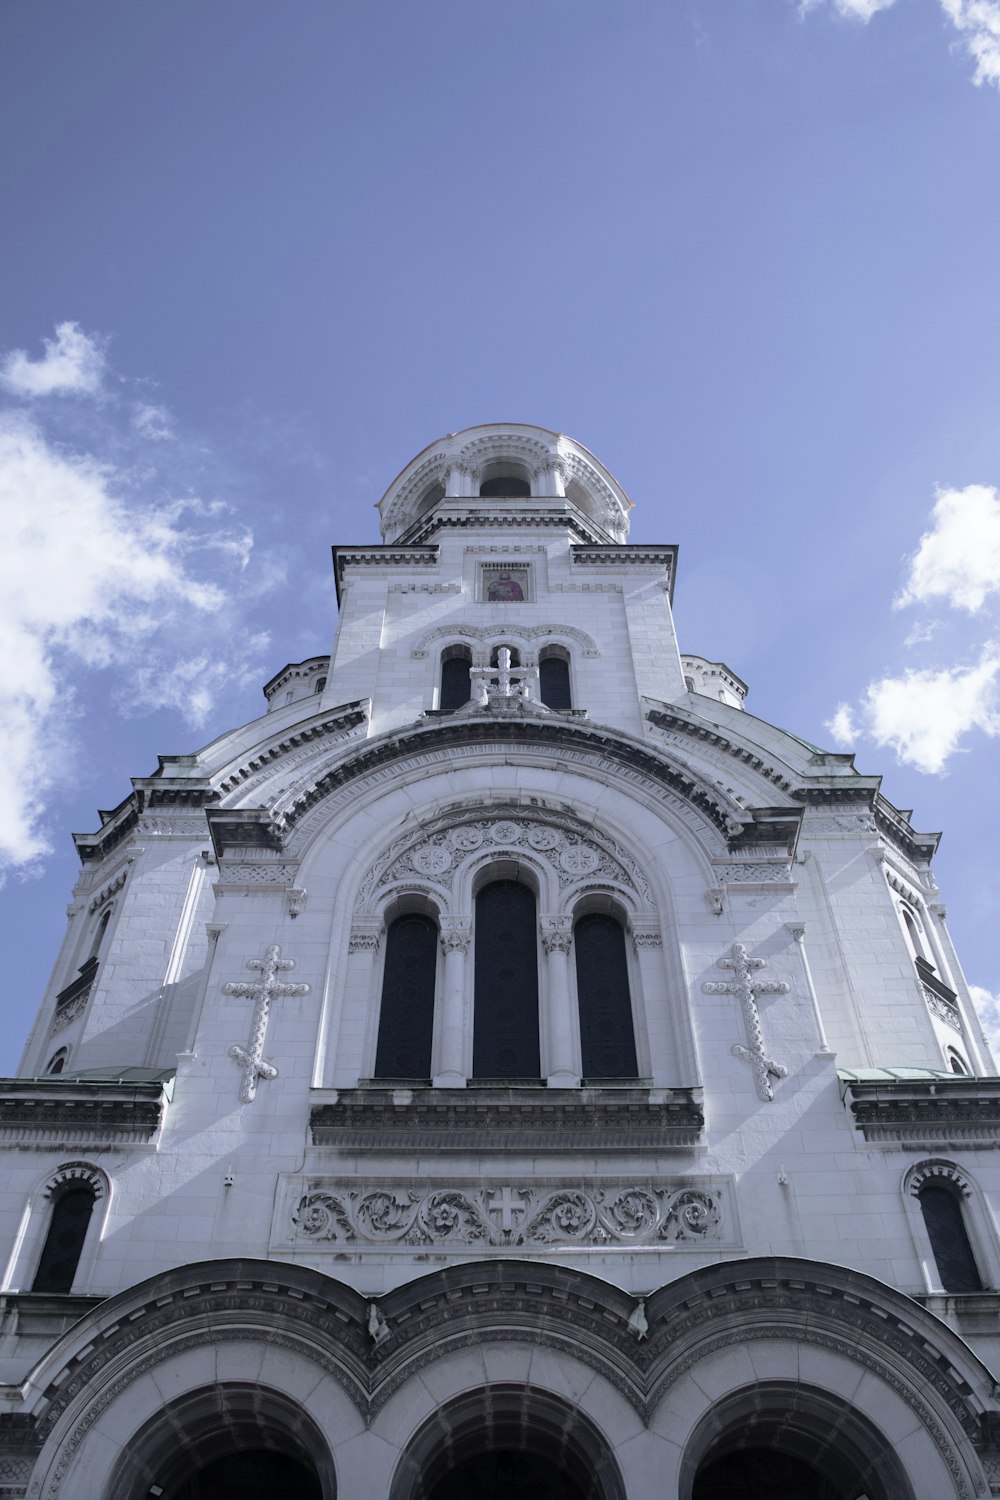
(557, 934)
(456, 934)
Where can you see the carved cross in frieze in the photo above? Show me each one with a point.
(270, 987)
(747, 988)
(506, 1202)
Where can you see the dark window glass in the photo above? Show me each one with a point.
(64, 1241)
(406, 1021)
(456, 685)
(57, 1063)
(505, 486)
(553, 682)
(946, 1231)
(505, 1034)
(320, 684)
(607, 1039)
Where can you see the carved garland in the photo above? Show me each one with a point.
(504, 1216)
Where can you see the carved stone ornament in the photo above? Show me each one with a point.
(438, 854)
(456, 934)
(466, 1213)
(557, 934)
(251, 1057)
(747, 988)
(365, 939)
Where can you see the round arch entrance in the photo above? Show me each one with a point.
(227, 1442)
(510, 1443)
(783, 1441)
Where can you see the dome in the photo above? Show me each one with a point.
(508, 461)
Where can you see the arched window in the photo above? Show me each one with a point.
(507, 485)
(71, 1212)
(956, 1063)
(456, 684)
(406, 1020)
(57, 1062)
(320, 684)
(953, 1255)
(505, 1030)
(607, 1036)
(553, 678)
(912, 932)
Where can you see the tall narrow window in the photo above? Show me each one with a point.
(607, 1037)
(99, 931)
(505, 1033)
(456, 684)
(63, 1246)
(553, 680)
(406, 1021)
(956, 1263)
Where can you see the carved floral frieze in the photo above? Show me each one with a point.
(502, 1215)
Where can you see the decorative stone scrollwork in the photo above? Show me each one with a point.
(571, 853)
(498, 1217)
(69, 1011)
(456, 934)
(364, 940)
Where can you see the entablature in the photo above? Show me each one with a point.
(915, 1108)
(64, 1111)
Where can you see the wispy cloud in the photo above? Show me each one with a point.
(976, 21)
(99, 571)
(152, 421)
(73, 364)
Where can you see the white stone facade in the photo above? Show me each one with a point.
(619, 1278)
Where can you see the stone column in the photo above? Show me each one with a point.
(450, 1074)
(798, 931)
(560, 1027)
(657, 1021)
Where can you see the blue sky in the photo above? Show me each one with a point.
(256, 256)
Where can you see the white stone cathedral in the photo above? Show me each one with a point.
(505, 1068)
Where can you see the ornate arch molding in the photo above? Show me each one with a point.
(571, 856)
(490, 633)
(402, 509)
(697, 805)
(937, 1169)
(131, 1334)
(536, 456)
(76, 1174)
(852, 1315)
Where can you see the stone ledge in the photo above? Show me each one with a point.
(932, 1109)
(78, 1110)
(500, 1117)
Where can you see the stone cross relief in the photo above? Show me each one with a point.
(502, 686)
(251, 1057)
(747, 988)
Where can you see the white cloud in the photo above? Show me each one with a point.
(976, 21)
(958, 560)
(90, 576)
(988, 1006)
(842, 726)
(854, 10)
(73, 365)
(925, 715)
(151, 421)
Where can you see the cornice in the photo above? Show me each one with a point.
(408, 555)
(63, 1111)
(566, 518)
(925, 1111)
(506, 1116)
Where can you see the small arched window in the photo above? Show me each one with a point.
(607, 1035)
(553, 678)
(320, 685)
(57, 1062)
(406, 1019)
(60, 1256)
(912, 932)
(99, 931)
(941, 1207)
(956, 1063)
(456, 683)
(505, 1027)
